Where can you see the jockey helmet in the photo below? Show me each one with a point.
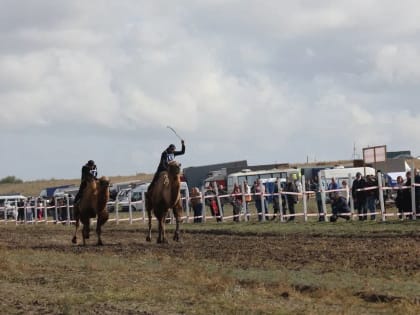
(91, 163)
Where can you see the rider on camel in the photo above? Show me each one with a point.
(167, 156)
(89, 172)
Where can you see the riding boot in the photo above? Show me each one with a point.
(77, 198)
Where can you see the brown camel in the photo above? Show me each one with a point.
(91, 205)
(165, 195)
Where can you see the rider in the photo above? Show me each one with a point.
(167, 156)
(89, 172)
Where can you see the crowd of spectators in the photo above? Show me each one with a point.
(281, 199)
(363, 191)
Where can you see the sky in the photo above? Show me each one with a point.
(263, 81)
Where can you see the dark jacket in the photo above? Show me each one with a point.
(291, 187)
(358, 184)
(166, 157)
(372, 192)
(87, 173)
(406, 197)
(339, 205)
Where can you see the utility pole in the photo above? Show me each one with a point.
(354, 151)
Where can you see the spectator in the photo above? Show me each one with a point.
(211, 202)
(40, 208)
(359, 196)
(345, 191)
(248, 198)
(276, 199)
(406, 196)
(236, 200)
(399, 199)
(21, 210)
(260, 200)
(332, 186)
(314, 186)
(30, 210)
(223, 198)
(196, 204)
(291, 199)
(340, 207)
(417, 190)
(371, 195)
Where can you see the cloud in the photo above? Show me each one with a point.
(239, 80)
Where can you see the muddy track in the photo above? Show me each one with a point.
(246, 250)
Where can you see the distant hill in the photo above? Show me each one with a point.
(33, 188)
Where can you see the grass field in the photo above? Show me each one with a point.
(231, 268)
(33, 188)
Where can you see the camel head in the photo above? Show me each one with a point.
(104, 181)
(174, 168)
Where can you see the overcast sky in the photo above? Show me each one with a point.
(263, 81)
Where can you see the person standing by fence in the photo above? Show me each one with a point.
(407, 207)
(276, 199)
(248, 198)
(359, 196)
(21, 210)
(371, 195)
(259, 199)
(236, 200)
(314, 186)
(399, 198)
(291, 198)
(196, 204)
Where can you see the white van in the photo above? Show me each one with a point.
(138, 195)
(8, 206)
(342, 173)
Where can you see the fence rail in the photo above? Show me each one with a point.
(44, 214)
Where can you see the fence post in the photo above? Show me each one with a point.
(219, 204)
(381, 196)
(143, 200)
(413, 190)
(262, 201)
(350, 186)
(117, 205)
(322, 190)
(16, 211)
(281, 204)
(130, 212)
(203, 201)
(187, 206)
(68, 209)
(44, 203)
(55, 210)
(305, 206)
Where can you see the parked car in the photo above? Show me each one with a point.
(137, 197)
(8, 206)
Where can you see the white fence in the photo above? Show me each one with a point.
(42, 213)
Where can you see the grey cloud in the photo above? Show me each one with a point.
(252, 80)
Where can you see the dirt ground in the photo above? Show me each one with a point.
(292, 250)
(397, 254)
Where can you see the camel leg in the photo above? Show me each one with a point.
(149, 234)
(102, 218)
(76, 214)
(160, 224)
(86, 228)
(177, 213)
(162, 233)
